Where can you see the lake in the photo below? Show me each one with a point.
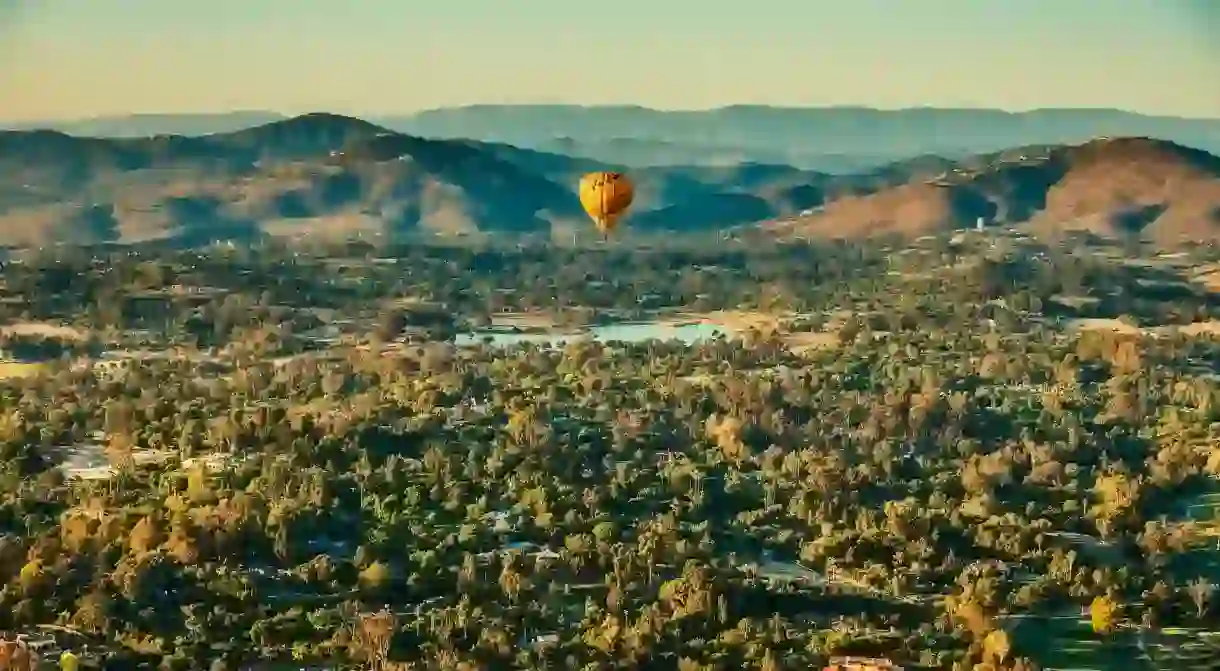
(623, 332)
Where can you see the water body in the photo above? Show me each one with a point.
(631, 332)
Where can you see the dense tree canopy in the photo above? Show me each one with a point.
(306, 467)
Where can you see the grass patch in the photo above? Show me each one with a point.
(1068, 643)
(42, 330)
(10, 370)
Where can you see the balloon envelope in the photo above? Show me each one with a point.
(606, 197)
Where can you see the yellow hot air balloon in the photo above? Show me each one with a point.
(606, 197)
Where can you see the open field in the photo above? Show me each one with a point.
(1068, 643)
(14, 369)
(1104, 324)
(42, 330)
(1210, 328)
(529, 320)
(1204, 329)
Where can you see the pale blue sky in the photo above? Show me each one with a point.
(78, 58)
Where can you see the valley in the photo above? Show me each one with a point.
(501, 454)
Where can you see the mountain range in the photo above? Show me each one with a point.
(837, 140)
(327, 174)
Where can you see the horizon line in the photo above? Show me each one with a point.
(606, 106)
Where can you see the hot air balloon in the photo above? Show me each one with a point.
(606, 197)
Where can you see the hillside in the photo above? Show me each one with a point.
(1113, 187)
(839, 140)
(336, 175)
(317, 173)
(325, 174)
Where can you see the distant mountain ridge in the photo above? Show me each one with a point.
(333, 175)
(148, 125)
(828, 139)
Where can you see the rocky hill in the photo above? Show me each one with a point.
(317, 173)
(335, 175)
(1112, 187)
(324, 174)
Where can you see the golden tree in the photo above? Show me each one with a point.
(1103, 613)
(145, 536)
(372, 635)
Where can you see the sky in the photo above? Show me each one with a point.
(69, 59)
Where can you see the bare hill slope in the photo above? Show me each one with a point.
(325, 174)
(1112, 187)
(318, 173)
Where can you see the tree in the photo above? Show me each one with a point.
(391, 323)
(997, 646)
(375, 575)
(373, 635)
(145, 536)
(511, 582)
(1200, 591)
(769, 661)
(1103, 614)
(972, 616)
